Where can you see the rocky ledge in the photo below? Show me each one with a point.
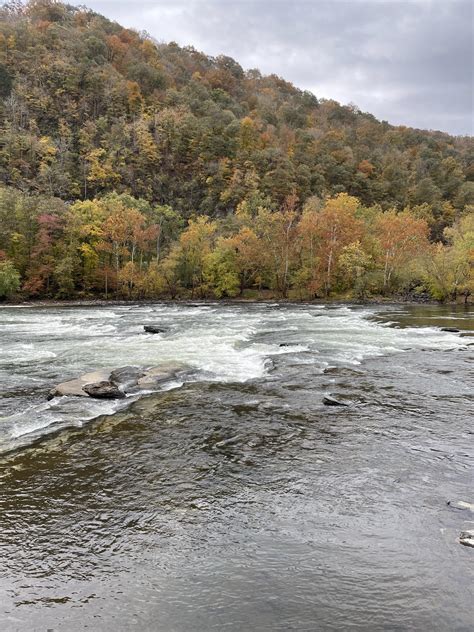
(116, 383)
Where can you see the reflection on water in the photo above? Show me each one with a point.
(249, 505)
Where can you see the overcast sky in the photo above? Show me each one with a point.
(409, 62)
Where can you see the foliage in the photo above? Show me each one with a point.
(9, 279)
(140, 170)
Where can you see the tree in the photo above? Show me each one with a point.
(354, 264)
(401, 236)
(337, 227)
(9, 279)
(195, 244)
(278, 234)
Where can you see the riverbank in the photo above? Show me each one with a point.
(98, 302)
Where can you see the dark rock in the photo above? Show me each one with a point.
(126, 376)
(154, 329)
(453, 330)
(467, 538)
(330, 401)
(104, 390)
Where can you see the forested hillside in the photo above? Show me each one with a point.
(110, 142)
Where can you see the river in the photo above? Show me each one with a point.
(233, 498)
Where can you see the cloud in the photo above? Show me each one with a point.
(409, 62)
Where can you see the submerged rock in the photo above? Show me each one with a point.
(154, 329)
(461, 504)
(331, 401)
(104, 390)
(453, 330)
(467, 538)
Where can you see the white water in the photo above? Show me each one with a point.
(43, 346)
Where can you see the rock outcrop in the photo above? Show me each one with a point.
(75, 387)
(116, 383)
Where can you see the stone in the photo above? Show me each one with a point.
(126, 376)
(154, 329)
(158, 374)
(467, 538)
(461, 504)
(453, 330)
(331, 401)
(112, 384)
(74, 387)
(104, 390)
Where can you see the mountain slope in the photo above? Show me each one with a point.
(89, 107)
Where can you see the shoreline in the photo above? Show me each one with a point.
(228, 301)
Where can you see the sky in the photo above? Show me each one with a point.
(408, 62)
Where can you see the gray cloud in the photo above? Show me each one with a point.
(409, 62)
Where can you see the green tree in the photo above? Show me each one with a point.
(9, 279)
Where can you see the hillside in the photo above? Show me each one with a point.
(90, 108)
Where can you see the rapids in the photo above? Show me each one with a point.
(234, 499)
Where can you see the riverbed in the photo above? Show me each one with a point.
(232, 498)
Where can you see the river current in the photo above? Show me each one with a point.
(233, 498)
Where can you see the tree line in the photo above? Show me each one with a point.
(121, 156)
(118, 246)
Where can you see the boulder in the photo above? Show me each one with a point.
(103, 390)
(331, 401)
(74, 387)
(453, 330)
(467, 538)
(126, 376)
(154, 329)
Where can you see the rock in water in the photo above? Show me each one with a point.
(461, 504)
(154, 329)
(467, 538)
(330, 401)
(104, 390)
(74, 387)
(453, 330)
(126, 376)
(158, 374)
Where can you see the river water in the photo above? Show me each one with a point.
(233, 499)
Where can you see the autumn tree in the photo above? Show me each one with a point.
(401, 236)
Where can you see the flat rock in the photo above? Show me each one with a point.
(113, 384)
(104, 390)
(154, 329)
(159, 374)
(331, 401)
(74, 387)
(467, 538)
(453, 330)
(461, 504)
